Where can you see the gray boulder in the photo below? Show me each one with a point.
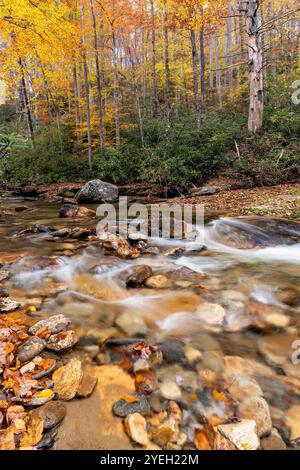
(97, 191)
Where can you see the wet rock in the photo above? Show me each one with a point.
(187, 379)
(4, 275)
(165, 433)
(29, 191)
(8, 305)
(277, 320)
(4, 292)
(139, 275)
(212, 314)
(137, 237)
(230, 297)
(257, 409)
(289, 297)
(10, 258)
(292, 420)
(54, 324)
(151, 250)
(81, 233)
(141, 364)
(172, 351)
(135, 403)
(174, 251)
(136, 428)
(70, 210)
(92, 350)
(243, 434)
(62, 233)
(132, 323)
(97, 191)
(241, 386)
(158, 282)
(193, 355)
(62, 340)
(52, 413)
(273, 442)
(120, 247)
(170, 390)
(88, 384)
(42, 397)
(31, 348)
(276, 349)
(67, 379)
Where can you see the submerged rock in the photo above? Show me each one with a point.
(139, 275)
(70, 210)
(135, 403)
(243, 434)
(170, 390)
(132, 323)
(273, 441)
(67, 379)
(136, 428)
(212, 314)
(158, 281)
(54, 324)
(31, 348)
(97, 191)
(88, 384)
(52, 413)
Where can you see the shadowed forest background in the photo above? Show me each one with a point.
(154, 91)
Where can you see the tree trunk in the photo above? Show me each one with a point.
(218, 69)
(195, 77)
(211, 63)
(87, 91)
(167, 61)
(98, 76)
(116, 90)
(202, 71)
(255, 67)
(154, 76)
(26, 103)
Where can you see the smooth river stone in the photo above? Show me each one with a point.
(123, 407)
(52, 413)
(55, 324)
(31, 348)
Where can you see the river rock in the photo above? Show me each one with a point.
(62, 340)
(257, 409)
(165, 433)
(170, 390)
(136, 428)
(71, 210)
(132, 323)
(243, 434)
(276, 350)
(31, 348)
(158, 282)
(88, 384)
(126, 406)
(172, 351)
(55, 324)
(273, 441)
(212, 314)
(52, 413)
(139, 275)
(137, 237)
(192, 354)
(120, 247)
(97, 191)
(292, 420)
(41, 397)
(241, 386)
(8, 305)
(67, 379)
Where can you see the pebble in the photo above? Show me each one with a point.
(158, 282)
(139, 275)
(170, 390)
(136, 428)
(67, 379)
(172, 351)
(55, 324)
(123, 407)
(52, 413)
(31, 348)
(165, 433)
(212, 314)
(243, 434)
(137, 237)
(241, 386)
(257, 409)
(132, 323)
(193, 355)
(62, 340)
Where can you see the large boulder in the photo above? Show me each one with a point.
(97, 191)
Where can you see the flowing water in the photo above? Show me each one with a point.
(251, 266)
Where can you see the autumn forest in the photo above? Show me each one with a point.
(166, 91)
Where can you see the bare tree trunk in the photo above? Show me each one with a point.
(202, 71)
(26, 103)
(229, 48)
(167, 61)
(116, 90)
(255, 66)
(195, 77)
(76, 102)
(154, 76)
(218, 69)
(87, 91)
(137, 98)
(98, 76)
(211, 63)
